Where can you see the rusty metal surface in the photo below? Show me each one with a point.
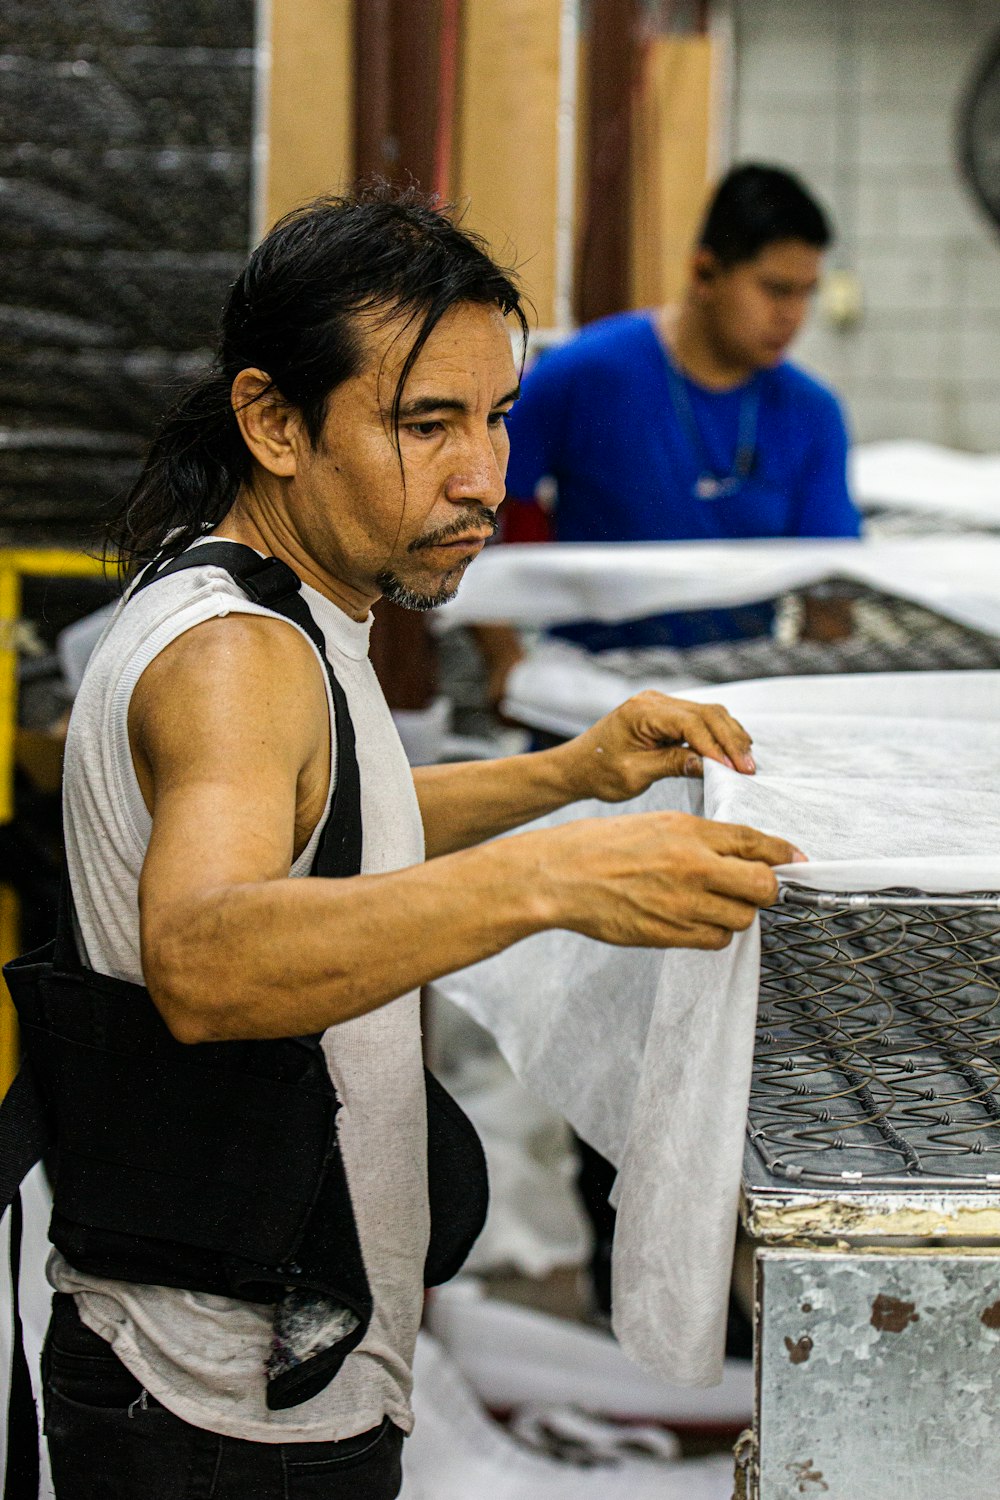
(878, 1375)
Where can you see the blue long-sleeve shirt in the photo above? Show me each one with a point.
(600, 417)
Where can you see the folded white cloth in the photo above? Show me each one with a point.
(528, 585)
(457, 1453)
(886, 782)
(903, 475)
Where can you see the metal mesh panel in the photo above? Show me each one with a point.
(889, 635)
(878, 1040)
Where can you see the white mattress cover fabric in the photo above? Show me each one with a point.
(532, 585)
(885, 780)
(904, 475)
(457, 1453)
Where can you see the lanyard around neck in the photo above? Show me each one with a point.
(709, 485)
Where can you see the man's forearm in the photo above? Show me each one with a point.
(290, 957)
(286, 957)
(463, 804)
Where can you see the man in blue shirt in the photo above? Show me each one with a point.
(689, 424)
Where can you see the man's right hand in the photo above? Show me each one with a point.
(659, 880)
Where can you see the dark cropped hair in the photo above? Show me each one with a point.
(756, 205)
(294, 313)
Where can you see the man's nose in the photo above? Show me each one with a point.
(478, 476)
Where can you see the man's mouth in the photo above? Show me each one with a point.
(470, 537)
(473, 539)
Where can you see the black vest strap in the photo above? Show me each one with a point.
(272, 584)
(24, 1136)
(24, 1130)
(306, 1212)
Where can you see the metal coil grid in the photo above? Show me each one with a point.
(878, 1040)
(889, 635)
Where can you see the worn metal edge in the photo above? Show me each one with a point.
(872, 1215)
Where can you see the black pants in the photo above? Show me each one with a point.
(108, 1442)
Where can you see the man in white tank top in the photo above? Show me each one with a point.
(353, 428)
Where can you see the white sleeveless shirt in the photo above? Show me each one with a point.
(203, 1356)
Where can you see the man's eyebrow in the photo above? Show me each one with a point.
(422, 406)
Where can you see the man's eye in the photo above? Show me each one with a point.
(499, 418)
(424, 429)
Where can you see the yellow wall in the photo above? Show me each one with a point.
(504, 167)
(671, 163)
(506, 136)
(308, 111)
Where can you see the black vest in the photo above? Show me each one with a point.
(214, 1167)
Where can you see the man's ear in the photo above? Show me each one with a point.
(271, 429)
(704, 268)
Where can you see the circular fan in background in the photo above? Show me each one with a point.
(979, 133)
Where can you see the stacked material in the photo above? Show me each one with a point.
(457, 1453)
(562, 689)
(941, 486)
(919, 604)
(957, 577)
(886, 782)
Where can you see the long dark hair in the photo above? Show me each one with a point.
(293, 312)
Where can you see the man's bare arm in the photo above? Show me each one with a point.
(647, 738)
(227, 739)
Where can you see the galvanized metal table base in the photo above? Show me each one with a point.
(872, 1189)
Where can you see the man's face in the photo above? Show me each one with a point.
(348, 502)
(754, 309)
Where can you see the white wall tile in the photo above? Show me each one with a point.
(912, 137)
(915, 20)
(862, 100)
(979, 350)
(877, 414)
(979, 277)
(823, 351)
(938, 211)
(816, 21)
(875, 206)
(787, 67)
(898, 277)
(798, 134)
(978, 420)
(899, 70)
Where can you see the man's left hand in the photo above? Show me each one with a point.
(652, 736)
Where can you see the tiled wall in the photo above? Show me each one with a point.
(861, 97)
(125, 139)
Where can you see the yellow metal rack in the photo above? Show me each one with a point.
(16, 564)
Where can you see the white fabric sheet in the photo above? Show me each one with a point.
(516, 1356)
(457, 1453)
(562, 689)
(890, 780)
(929, 479)
(530, 585)
(35, 1303)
